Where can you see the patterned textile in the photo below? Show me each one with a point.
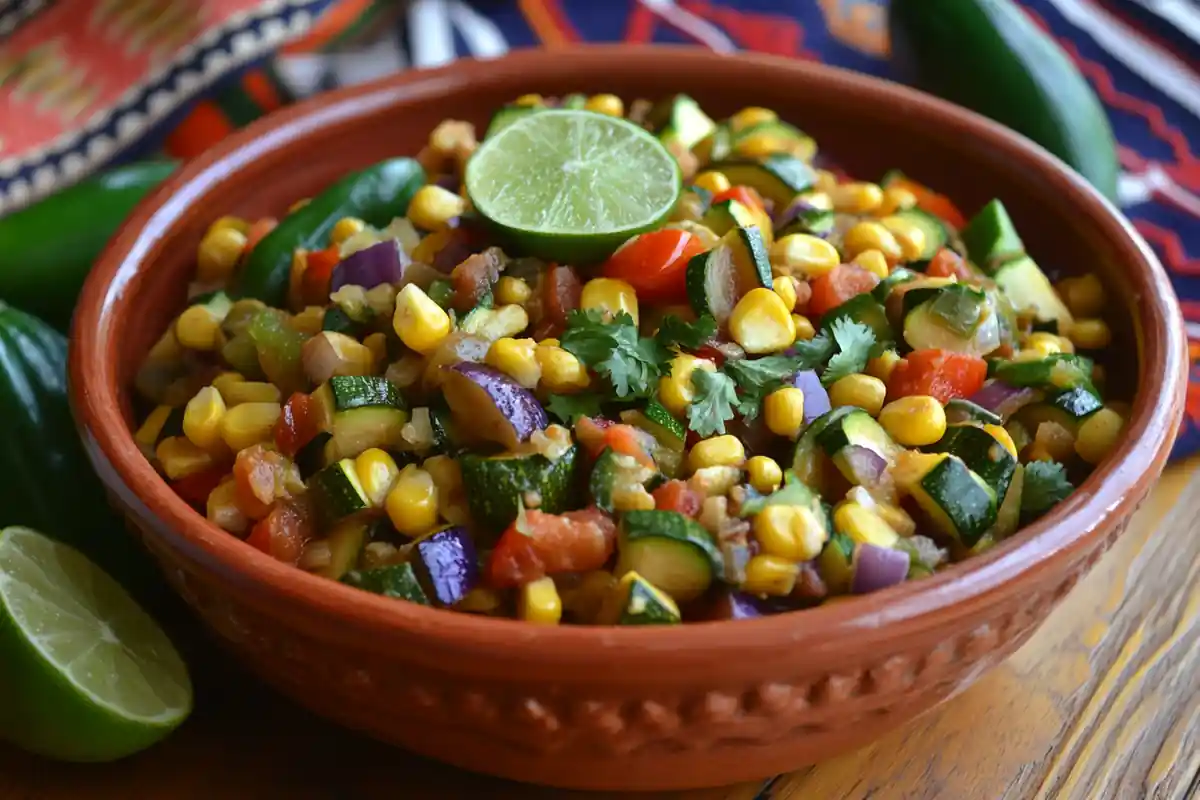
(87, 82)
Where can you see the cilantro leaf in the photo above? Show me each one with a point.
(686, 335)
(1045, 485)
(814, 352)
(613, 349)
(715, 399)
(854, 341)
(570, 407)
(758, 377)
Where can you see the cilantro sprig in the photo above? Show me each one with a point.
(854, 342)
(1045, 485)
(570, 407)
(714, 403)
(613, 349)
(674, 332)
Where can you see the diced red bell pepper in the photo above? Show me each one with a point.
(299, 422)
(283, 532)
(943, 374)
(314, 286)
(948, 264)
(745, 195)
(545, 544)
(839, 285)
(597, 434)
(654, 264)
(930, 201)
(678, 496)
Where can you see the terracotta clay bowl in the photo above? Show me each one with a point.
(691, 706)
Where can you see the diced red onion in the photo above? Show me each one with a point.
(788, 213)
(382, 262)
(1003, 399)
(866, 467)
(816, 399)
(877, 568)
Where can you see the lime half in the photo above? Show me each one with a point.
(85, 673)
(570, 185)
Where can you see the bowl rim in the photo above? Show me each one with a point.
(1065, 535)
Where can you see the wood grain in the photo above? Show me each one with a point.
(1103, 703)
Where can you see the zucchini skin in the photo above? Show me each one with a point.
(989, 56)
(49, 484)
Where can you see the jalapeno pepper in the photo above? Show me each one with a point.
(47, 249)
(376, 195)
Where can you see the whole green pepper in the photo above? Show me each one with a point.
(376, 195)
(47, 249)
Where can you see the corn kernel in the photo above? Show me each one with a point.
(1084, 296)
(198, 329)
(237, 223)
(761, 145)
(1044, 344)
(251, 392)
(1089, 334)
(447, 477)
(800, 255)
(539, 602)
(863, 525)
(516, 358)
(675, 391)
(248, 424)
(218, 253)
(794, 533)
(562, 372)
(855, 197)
(309, 320)
(512, 291)
(346, 227)
(377, 344)
(805, 330)
(180, 458)
(785, 287)
(222, 509)
(874, 262)
(202, 419)
(433, 207)
(764, 473)
(419, 322)
(896, 199)
(378, 473)
(914, 421)
(768, 575)
(412, 503)
(871, 236)
(610, 296)
(1003, 437)
(862, 391)
(719, 451)
(881, 366)
(909, 236)
(608, 104)
(713, 181)
(783, 411)
(761, 323)
(527, 100)
(1098, 435)
(147, 435)
(751, 116)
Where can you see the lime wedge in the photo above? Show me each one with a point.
(572, 186)
(85, 673)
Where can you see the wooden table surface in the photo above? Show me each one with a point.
(1104, 702)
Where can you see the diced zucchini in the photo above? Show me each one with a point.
(310, 459)
(935, 230)
(1068, 408)
(808, 459)
(898, 276)
(1056, 372)
(574, 100)
(646, 604)
(778, 177)
(344, 393)
(674, 553)
(835, 563)
(957, 317)
(726, 215)
(716, 146)
(956, 500)
(991, 238)
(345, 542)
(445, 437)
(865, 309)
(398, 581)
(845, 439)
(337, 493)
(813, 222)
(360, 412)
(1029, 290)
(614, 474)
(717, 279)
(1008, 516)
(668, 432)
(339, 321)
(982, 453)
(680, 119)
(960, 410)
(497, 486)
(788, 138)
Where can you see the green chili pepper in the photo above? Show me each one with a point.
(376, 195)
(47, 249)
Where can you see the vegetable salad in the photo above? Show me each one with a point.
(794, 387)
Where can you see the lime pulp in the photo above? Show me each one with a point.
(572, 185)
(85, 673)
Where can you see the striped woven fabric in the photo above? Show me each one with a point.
(1141, 56)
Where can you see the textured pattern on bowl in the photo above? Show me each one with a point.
(693, 706)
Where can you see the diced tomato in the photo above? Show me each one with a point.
(258, 230)
(943, 374)
(283, 532)
(948, 264)
(839, 285)
(711, 352)
(743, 194)
(928, 200)
(678, 496)
(597, 434)
(474, 276)
(196, 488)
(654, 264)
(561, 289)
(261, 477)
(314, 285)
(298, 423)
(545, 544)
